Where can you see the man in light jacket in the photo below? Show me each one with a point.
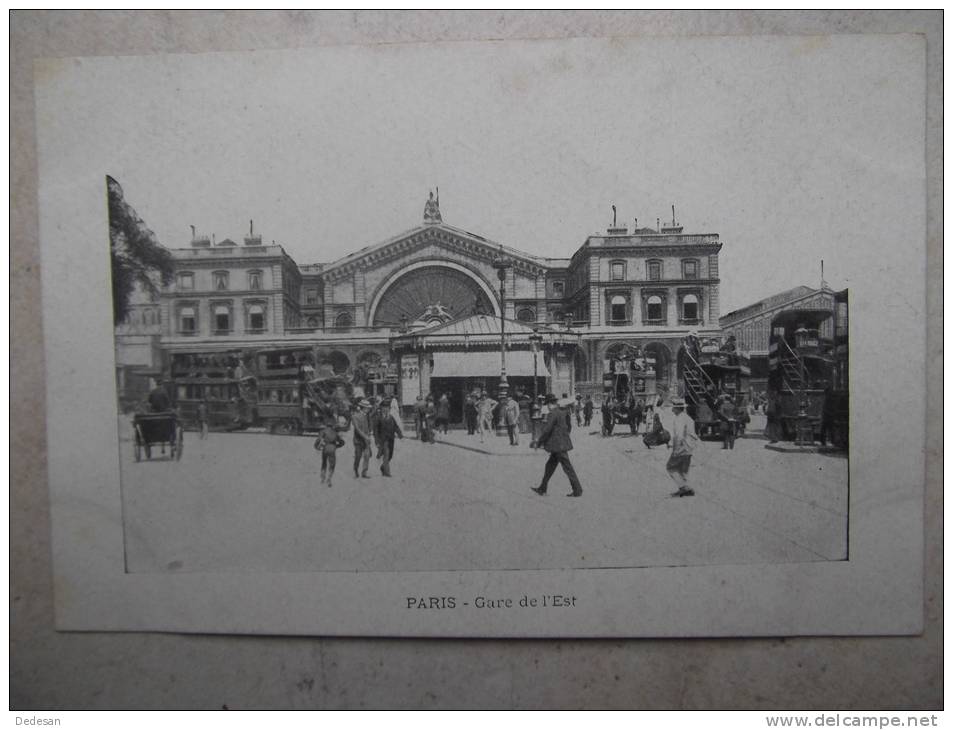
(683, 444)
(485, 408)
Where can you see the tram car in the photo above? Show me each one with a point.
(278, 389)
(629, 379)
(800, 375)
(294, 397)
(221, 382)
(710, 371)
(287, 406)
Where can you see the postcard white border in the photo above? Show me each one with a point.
(879, 590)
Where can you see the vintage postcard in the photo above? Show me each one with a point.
(615, 337)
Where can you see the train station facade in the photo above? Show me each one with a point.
(424, 309)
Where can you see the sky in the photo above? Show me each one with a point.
(793, 150)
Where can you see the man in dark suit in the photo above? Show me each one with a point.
(386, 429)
(555, 439)
(360, 421)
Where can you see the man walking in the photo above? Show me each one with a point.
(727, 422)
(362, 438)
(587, 409)
(608, 417)
(511, 417)
(328, 443)
(683, 444)
(555, 439)
(577, 409)
(420, 415)
(387, 429)
(485, 408)
(203, 419)
(443, 413)
(470, 414)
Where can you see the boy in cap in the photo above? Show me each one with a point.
(328, 443)
(683, 444)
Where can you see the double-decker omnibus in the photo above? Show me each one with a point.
(629, 377)
(711, 370)
(800, 374)
(217, 379)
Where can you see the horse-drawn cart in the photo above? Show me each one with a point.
(162, 429)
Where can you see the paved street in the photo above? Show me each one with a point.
(252, 501)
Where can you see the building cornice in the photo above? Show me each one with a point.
(450, 239)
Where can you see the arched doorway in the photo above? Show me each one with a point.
(660, 358)
(335, 360)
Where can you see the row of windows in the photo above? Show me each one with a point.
(222, 318)
(185, 280)
(617, 270)
(654, 309)
(221, 281)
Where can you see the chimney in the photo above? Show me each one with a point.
(251, 239)
(674, 227)
(199, 241)
(615, 229)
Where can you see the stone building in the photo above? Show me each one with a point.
(751, 325)
(436, 288)
(138, 348)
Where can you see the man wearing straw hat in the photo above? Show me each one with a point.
(683, 444)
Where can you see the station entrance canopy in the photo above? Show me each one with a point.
(519, 363)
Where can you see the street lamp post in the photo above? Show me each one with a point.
(501, 265)
(535, 340)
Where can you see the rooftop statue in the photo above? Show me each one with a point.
(432, 209)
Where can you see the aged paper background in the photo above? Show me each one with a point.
(363, 681)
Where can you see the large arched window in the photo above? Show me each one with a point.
(654, 311)
(690, 307)
(255, 321)
(221, 318)
(617, 308)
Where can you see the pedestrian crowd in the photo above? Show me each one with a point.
(376, 425)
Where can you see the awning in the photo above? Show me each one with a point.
(471, 364)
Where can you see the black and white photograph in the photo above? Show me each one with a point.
(524, 323)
